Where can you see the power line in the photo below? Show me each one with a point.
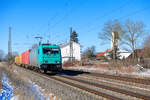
(114, 10)
(110, 12)
(42, 26)
(134, 13)
(67, 14)
(131, 14)
(51, 19)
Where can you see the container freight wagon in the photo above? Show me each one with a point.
(46, 57)
(18, 60)
(25, 59)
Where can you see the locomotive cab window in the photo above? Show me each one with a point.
(50, 50)
(38, 51)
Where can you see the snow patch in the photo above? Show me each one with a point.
(145, 73)
(15, 97)
(83, 68)
(7, 89)
(40, 93)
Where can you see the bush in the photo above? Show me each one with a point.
(104, 58)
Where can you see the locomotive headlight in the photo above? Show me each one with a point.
(45, 62)
(57, 61)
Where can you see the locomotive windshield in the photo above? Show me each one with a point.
(50, 50)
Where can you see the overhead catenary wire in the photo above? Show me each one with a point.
(110, 12)
(66, 15)
(50, 24)
(49, 19)
(125, 16)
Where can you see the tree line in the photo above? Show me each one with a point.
(4, 57)
(131, 34)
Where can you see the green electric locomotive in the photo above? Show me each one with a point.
(46, 57)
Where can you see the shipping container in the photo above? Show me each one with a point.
(23, 59)
(27, 57)
(20, 60)
(16, 59)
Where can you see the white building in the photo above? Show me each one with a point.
(67, 53)
(124, 53)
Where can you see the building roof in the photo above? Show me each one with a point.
(102, 53)
(67, 43)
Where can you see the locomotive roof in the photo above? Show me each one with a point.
(49, 45)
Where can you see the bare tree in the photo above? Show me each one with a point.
(109, 27)
(112, 31)
(1, 55)
(146, 47)
(14, 54)
(89, 53)
(133, 32)
(129, 33)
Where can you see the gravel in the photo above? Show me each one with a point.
(60, 90)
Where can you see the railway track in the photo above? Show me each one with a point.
(124, 85)
(62, 79)
(93, 91)
(123, 78)
(120, 78)
(108, 96)
(122, 91)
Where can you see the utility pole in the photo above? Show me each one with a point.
(9, 47)
(71, 47)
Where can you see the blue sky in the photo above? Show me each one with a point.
(52, 20)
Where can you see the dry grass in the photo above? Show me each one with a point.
(119, 66)
(22, 96)
(20, 80)
(16, 80)
(127, 69)
(73, 64)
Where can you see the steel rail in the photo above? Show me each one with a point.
(122, 78)
(123, 91)
(92, 91)
(111, 97)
